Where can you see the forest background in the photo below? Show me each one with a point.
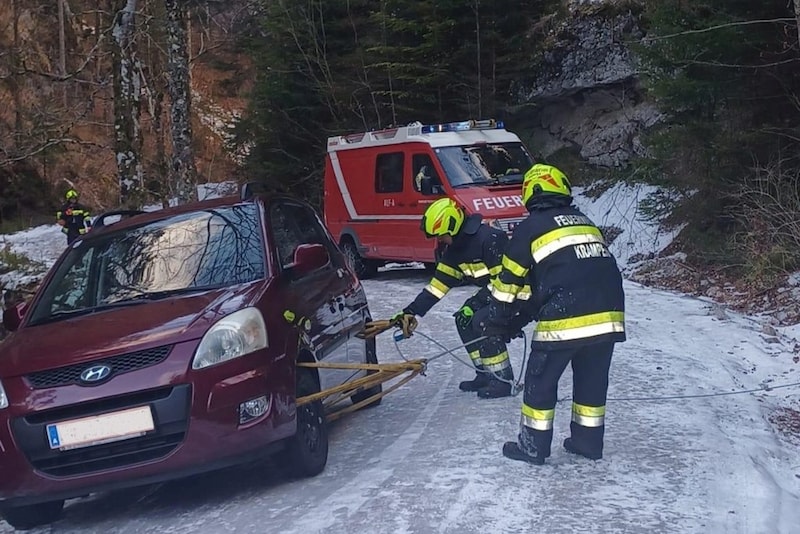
(137, 101)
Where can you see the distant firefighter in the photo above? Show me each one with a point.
(73, 217)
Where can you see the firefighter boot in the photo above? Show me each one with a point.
(524, 449)
(495, 389)
(571, 446)
(499, 385)
(481, 380)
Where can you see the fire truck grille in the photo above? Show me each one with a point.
(508, 225)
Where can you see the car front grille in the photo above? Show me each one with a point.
(170, 407)
(124, 363)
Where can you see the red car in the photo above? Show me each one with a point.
(164, 344)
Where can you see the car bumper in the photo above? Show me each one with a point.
(197, 429)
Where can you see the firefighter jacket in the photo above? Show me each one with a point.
(473, 257)
(75, 217)
(577, 295)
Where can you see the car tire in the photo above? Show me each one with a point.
(306, 453)
(372, 357)
(363, 267)
(32, 515)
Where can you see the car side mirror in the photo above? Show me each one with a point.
(426, 185)
(309, 257)
(12, 316)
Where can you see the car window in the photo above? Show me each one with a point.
(425, 180)
(210, 248)
(389, 173)
(294, 224)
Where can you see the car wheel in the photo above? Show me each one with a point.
(33, 515)
(363, 267)
(306, 452)
(372, 357)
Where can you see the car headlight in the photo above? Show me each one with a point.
(239, 333)
(3, 397)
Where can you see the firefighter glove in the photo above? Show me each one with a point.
(464, 317)
(406, 321)
(506, 330)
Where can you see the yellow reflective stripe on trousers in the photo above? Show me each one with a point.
(496, 363)
(437, 288)
(580, 327)
(590, 416)
(450, 271)
(537, 419)
(513, 267)
(555, 240)
(475, 270)
(475, 356)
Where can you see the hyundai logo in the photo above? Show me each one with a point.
(95, 373)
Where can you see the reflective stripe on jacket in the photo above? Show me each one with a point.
(76, 218)
(577, 287)
(474, 257)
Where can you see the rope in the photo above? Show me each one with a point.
(518, 385)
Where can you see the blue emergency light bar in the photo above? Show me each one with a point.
(488, 124)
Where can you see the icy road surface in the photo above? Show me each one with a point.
(428, 459)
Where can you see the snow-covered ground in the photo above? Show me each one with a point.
(689, 443)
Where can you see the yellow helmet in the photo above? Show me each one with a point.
(544, 179)
(71, 194)
(443, 217)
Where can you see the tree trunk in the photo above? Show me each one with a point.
(797, 16)
(62, 48)
(127, 104)
(182, 171)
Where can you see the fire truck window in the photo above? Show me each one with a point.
(425, 178)
(389, 175)
(294, 224)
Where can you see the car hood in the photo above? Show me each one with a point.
(118, 330)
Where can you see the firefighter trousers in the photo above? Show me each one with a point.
(590, 367)
(489, 355)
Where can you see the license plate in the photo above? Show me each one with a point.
(99, 429)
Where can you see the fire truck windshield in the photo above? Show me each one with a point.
(484, 164)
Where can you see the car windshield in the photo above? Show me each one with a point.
(485, 164)
(190, 252)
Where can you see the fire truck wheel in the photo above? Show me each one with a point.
(363, 268)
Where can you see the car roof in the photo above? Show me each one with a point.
(133, 218)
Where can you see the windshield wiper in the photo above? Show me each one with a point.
(134, 300)
(158, 295)
(470, 184)
(67, 314)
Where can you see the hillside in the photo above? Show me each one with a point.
(56, 131)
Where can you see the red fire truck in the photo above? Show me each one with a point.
(378, 184)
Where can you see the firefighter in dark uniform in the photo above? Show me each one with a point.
(472, 254)
(73, 217)
(579, 304)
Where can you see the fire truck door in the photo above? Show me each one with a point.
(426, 187)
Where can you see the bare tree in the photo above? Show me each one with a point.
(797, 16)
(183, 174)
(127, 104)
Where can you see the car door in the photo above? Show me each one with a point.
(319, 295)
